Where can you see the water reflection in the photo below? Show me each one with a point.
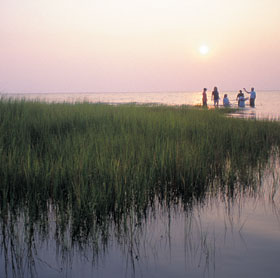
(246, 113)
(230, 223)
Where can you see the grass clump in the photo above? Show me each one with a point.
(100, 160)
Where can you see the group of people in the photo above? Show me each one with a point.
(226, 103)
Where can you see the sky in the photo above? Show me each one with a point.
(50, 46)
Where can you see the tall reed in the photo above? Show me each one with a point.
(103, 160)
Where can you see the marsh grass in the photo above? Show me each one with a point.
(89, 171)
(96, 162)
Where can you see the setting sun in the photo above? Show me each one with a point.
(139, 45)
(204, 49)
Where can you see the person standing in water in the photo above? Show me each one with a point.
(215, 96)
(204, 97)
(226, 102)
(241, 101)
(252, 96)
(239, 96)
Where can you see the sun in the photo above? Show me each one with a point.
(204, 49)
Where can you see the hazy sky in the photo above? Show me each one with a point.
(138, 45)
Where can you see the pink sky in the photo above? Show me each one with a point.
(138, 45)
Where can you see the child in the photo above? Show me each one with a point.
(226, 101)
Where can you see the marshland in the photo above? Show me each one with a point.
(82, 180)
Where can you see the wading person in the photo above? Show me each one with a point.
(204, 97)
(226, 102)
(240, 94)
(241, 101)
(252, 96)
(215, 97)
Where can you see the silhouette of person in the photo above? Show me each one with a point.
(204, 97)
(215, 96)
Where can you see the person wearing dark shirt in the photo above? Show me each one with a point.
(215, 96)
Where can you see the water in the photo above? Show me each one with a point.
(267, 102)
(223, 234)
(219, 236)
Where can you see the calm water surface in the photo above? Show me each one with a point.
(230, 233)
(267, 102)
(219, 236)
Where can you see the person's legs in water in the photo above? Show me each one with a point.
(252, 102)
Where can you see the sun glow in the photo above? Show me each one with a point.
(124, 45)
(204, 49)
